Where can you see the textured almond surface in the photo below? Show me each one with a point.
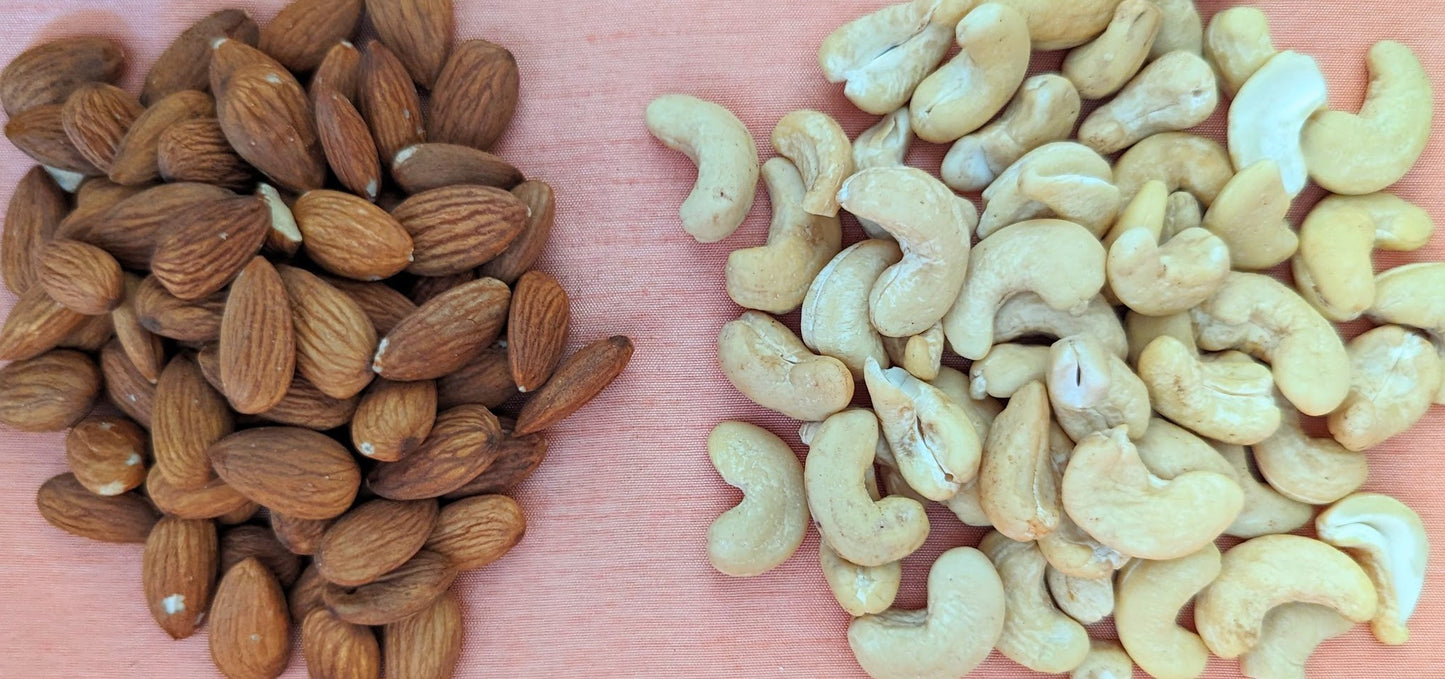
(243, 542)
(129, 229)
(455, 228)
(96, 117)
(49, 392)
(250, 629)
(427, 644)
(519, 257)
(125, 387)
(517, 458)
(258, 346)
(212, 500)
(197, 151)
(536, 329)
(197, 320)
(35, 325)
(374, 539)
(300, 34)
(419, 31)
(388, 100)
(301, 536)
(295, 471)
(268, 120)
(107, 454)
(475, 95)
(486, 380)
(40, 133)
(185, 63)
(398, 595)
(334, 338)
(393, 418)
(67, 505)
(336, 649)
(35, 210)
(188, 416)
(81, 277)
(581, 377)
(350, 237)
(47, 73)
(444, 334)
(464, 441)
(474, 532)
(178, 573)
(422, 167)
(136, 160)
(347, 142)
(204, 248)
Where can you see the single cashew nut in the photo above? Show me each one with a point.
(1007, 368)
(1181, 213)
(835, 319)
(1290, 634)
(768, 525)
(1141, 330)
(1269, 113)
(1399, 224)
(1044, 110)
(1333, 269)
(1093, 390)
(1227, 397)
(1110, 61)
(1146, 210)
(820, 149)
(1036, 634)
(1063, 179)
(1018, 485)
(1027, 315)
(770, 365)
(726, 158)
(1169, 450)
(981, 413)
(1266, 511)
(1106, 660)
(1410, 296)
(1072, 552)
(1314, 471)
(1249, 215)
(933, 442)
(860, 590)
(1182, 29)
(1237, 43)
(1161, 280)
(884, 55)
(921, 355)
(1395, 374)
(1176, 92)
(1181, 160)
(1088, 600)
(883, 145)
(964, 619)
(968, 91)
(1149, 596)
(1055, 26)
(1389, 541)
(776, 276)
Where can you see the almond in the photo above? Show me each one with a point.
(107, 454)
(48, 73)
(398, 595)
(584, 375)
(96, 117)
(92, 334)
(49, 392)
(373, 539)
(245, 542)
(303, 30)
(250, 631)
(298, 535)
(67, 505)
(197, 320)
(464, 441)
(517, 458)
(228, 57)
(130, 229)
(36, 324)
(339, 71)
(39, 132)
(185, 64)
(382, 304)
(475, 96)
(422, 167)
(350, 237)
(456, 228)
(486, 380)
(527, 248)
(306, 406)
(336, 649)
(81, 277)
(136, 159)
(178, 573)
(239, 515)
(419, 31)
(305, 595)
(205, 248)
(268, 120)
(197, 151)
(346, 139)
(334, 338)
(188, 417)
(257, 346)
(426, 645)
(284, 237)
(476, 531)
(145, 349)
(426, 288)
(213, 500)
(388, 100)
(94, 198)
(35, 210)
(536, 329)
(295, 471)
(444, 334)
(393, 418)
(125, 387)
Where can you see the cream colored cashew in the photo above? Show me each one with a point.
(860, 530)
(1059, 261)
(768, 525)
(964, 619)
(1333, 268)
(860, 590)
(1314, 471)
(1357, 154)
(1176, 92)
(820, 149)
(1227, 397)
(775, 277)
(1249, 215)
(1055, 26)
(1269, 113)
(933, 227)
(1258, 315)
(1087, 600)
(835, 319)
(1266, 511)
(1181, 213)
(1149, 597)
(1018, 487)
(1169, 450)
(883, 145)
(1161, 280)
(1269, 571)
(1141, 330)
(1106, 660)
(726, 158)
(1181, 160)
(1063, 179)
(968, 91)
(981, 413)
(1106, 64)
(1036, 634)
(1389, 541)
(1289, 635)
(884, 55)
(1044, 110)
(1007, 368)
(921, 355)
(1399, 224)
(1237, 43)
(1394, 375)
(1092, 390)
(770, 365)
(1073, 552)
(1146, 210)
(933, 442)
(1027, 315)
(1182, 29)
(1410, 295)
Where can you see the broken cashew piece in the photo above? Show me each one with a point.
(883, 145)
(1268, 116)
(1410, 295)
(835, 318)
(1389, 541)
(1093, 390)
(1266, 511)
(775, 277)
(1105, 65)
(1176, 92)
(1106, 660)
(1018, 487)
(822, 153)
(1055, 26)
(1290, 634)
(934, 445)
(1333, 268)
(768, 525)
(771, 366)
(1182, 29)
(1249, 215)
(1062, 179)
(1007, 368)
(921, 355)
(1227, 397)
(968, 91)
(1306, 469)
(1044, 110)
(1181, 160)
(1395, 374)
(1149, 596)
(1161, 280)
(726, 158)
(1087, 600)
(1036, 634)
(860, 590)
(884, 55)
(1237, 43)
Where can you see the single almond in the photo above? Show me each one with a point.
(303, 30)
(35, 210)
(527, 248)
(336, 649)
(96, 117)
(257, 345)
(426, 166)
(536, 329)
(388, 100)
(486, 380)
(268, 120)
(284, 237)
(39, 132)
(211, 501)
(125, 387)
(49, 392)
(426, 645)
(305, 595)
(334, 338)
(130, 229)
(444, 334)
(187, 418)
(94, 198)
(395, 596)
(517, 458)
(304, 405)
(136, 158)
(384, 305)
(178, 573)
(92, 334)
(196, 320)
(457, 228)
(144, 348)
(67, 505)
(81, 277)
(48, 73)
(197, 151)
(584, 375)
(475, 96)
(373, 539)
(463, 442)
(204, 249)
(301, 536)
(476, 531)
(393, 418)
(229, 56)
(350, 237)
(250, 630)
(339, 71)
(419, 31)
(107, 454)
(258, 542)
(426, 288)
(36, 324)
(186, 63)
(295, 471)
(346, 139)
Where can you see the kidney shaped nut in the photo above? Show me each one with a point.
(1044, 110)
(1266, 511)
(1333, 268)
(963, 621)
(1269, 114)
(1236, 44)
(1054, 25)
(1290, 634)
(858, 589)
(1249, 215)
(1149, 596)
(1176, 92)
(775, 277)
(771, 366)
(1160, 280)
(835, 320)
(884, 55)
(1035, 633)
(726, 158)
(1088, 600)
(1103, 66)
(1181, 160)
(1072, 552)
(772, 519)
(822, 153)
(1306, 469)
(1062, 179)
(968, 91)
(1027, 315)
(1389, 541)
(1394, 375)
(1410, 296)
(1357, 154)
(1266, 572)
(1227, 397)
(883, 145)
(1182, 28)
(1018, 485)
(1093, 390)
(1007, 368)
(933, 443)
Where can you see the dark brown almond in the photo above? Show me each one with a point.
(228, 57)
(395, 596)
(426, 645)
(213, 500)
(36, 324)
(178, 573)
(456, 228)
(384, 305)
(527, 248)
(303, 30)
(166, 315)
(203, 249)
(584, 375)
(348, 145)
(136, 159)
(475, 96)
(90, 335)
(239, 515)
(186, 63)
(373, 539)
(426, 288)
(350, 237)
(474, 532)
(258, 542)
(250, 631)
(144, 348)
(306, 406)
(486, 380)
(49, 392)
(35, 210)
(197, 151)
(187, 418)
(340, 70)
(305, 595)
(446, 333)
(96, 118)
(67, 505)
(536, 329)
(107, 454)
(39, 132)
(81, 277)
(518, 458)
(295, 471)
(422, 167)
(126, 388)
(419, 31)
(463, 442)
(131, 228)
(393, 418)
(267, 118)
(257, 345)
(298, 535)
(388, 100)
(334, 338)
(48, 73)
(336, 649)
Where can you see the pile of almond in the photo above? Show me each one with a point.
(295, 298)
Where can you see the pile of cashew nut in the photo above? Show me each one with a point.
(1137, 384)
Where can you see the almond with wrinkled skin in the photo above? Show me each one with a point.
(35, 210)
(130, 229)
(257, 345)
(398, 595)
(81, 277)
(517, 459)
(486, 380)
(303, 30)
(125, 387)
(336, 649)
(457, 228)
(92, 334)
(145, 349)
(474, 532)
(426, 166)
(211, 501)
(268, 120)
(426, 645)
(186, 63)
(334, 338)
(527, 247)
(284, 237)
(197, 151)
(195, 320)
(426, 288)
(305, 595)
(463, 442)
(245, 542)
(36, 324)
(67, 505)
(347, 142)
(204, 249)
(350, 237)
(383, 305)
(584, 375)
(228, 57)
(208, 359)
(178, 573)
(419, 31)
(187, 418)
(393, 418)
(107, 454)
(48, 73)
(475, 96)
(306, 406)
(94, 198)
(444, 334)
(239, 515)
(96, 117)
(295, 471)
(250, 631)
(373, 539)
(388, 100)
(49, 392)
(298, 535)
(340, 70)
(536, 329)
(136, 158)
(39, 132)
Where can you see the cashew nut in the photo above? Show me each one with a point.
(1104, 65)
(1269, 114)
(981, 413)
(820, 149)
(1227, 397)
(1389, 541)
(1007, 368)
(1410, 295)
(1314, 471)
(1106, 660)
(1044, 110)
(1063, 179)
(883, 145)
(771, 366)
(726, 158)
(1088, 600)
(1027, 315)
(1181, 160)
(860, 590)
(1147, 210)
(1249, 215)
(1161, 280)
(1266, 511)
(921, 355)
(1182, 29)
(933, 442)
(1176, 92)
(1142, 330)
(1149, 596)
(1394, 375)
(884, 55)
(1290, 634)
(1054, 25)
(1333, 269)
(1018, 487)
(965, 93)
(1182, 212)
(1357, 154)
(1169, 450)
(1237, 43)
(835, 318)
(1035, 633)
(1093, 390)
(776, 276)
(1073, 552)
(1399, 224)
(772, 519)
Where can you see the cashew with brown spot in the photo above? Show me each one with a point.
(884, 55)
(1395, 374)
(1227, 397)
(1237, 43)
(1007, 368)
(1036, 634)
(1289, 635)
(726, 158)
(1268, 116)
(933, 442)
(775, 277)
(1092, 390)
(1182, 29)
(883, 145)
(1104, 65)
(772, 519)
(968, 91)
(859, 590)
(1141, 330)
(1027, 315)
(1249, 215)
(1166, 279)
(1390, 542)
(1018, 487)
(1087, 600)
(1266, 511)
(1106, 660)
(835, 319)
(1044, 110)
(1181, 160)
(1409, 296)
(1054, 25)
(1306, 469)
(1062, 179)
(1333, 268)
(773, 368)
(1176, 92)
(1149, 596)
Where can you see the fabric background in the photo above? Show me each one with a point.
(612, 579)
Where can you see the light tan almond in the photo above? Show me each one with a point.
(398, 595)
(96, 117)
(298, 535)
(197, 151)
(456, 228)
(125, 387)
(476, 531)
(295, 471)
(250, 631)
(267, 118)
(130, 229)
(144, 348)
(204, 249)
(212, 501)
(39, 132)
(257, 345)
(334, 338)
(350, 237)
(426, 645)
(164, 314)
(463, 442)
(36, 324)
(336, 649)
(346, 139)
(340, 70)
(381, 303)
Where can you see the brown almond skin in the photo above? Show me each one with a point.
(464, 441)
(340, 70)
(244, 542)
(426, 645)
(536, 329)
(334, 338)
(125, 387)
(145, 349)
(96, 117)
(49, 72)
(257, 346)
(474, 532)
(267, 118)
(92, 334)
(398, 595)
(35, 210)
(303, 30)
(456, 228)
(393, 418)
(36, 324)
(39, 132)
(373, 539)
(186, 63)
(136, 160)
(426, 288)
(388, 100)
(187, 418)
(527, 248)
(383, 305)
(204, 249)
(250, 631)
(517, 459)
(178, 573)
(419, 31)
(107, 454)
(212, 501)
(301, 536)
(432, 165)
(584, 375)
(131, 228)
(336, 649)
(49, 392)
(305, 596)
(93, 199)
(228, 57)
(475, 96)
(295, 471)
(67, 505)
(444, 334)
(350, 237)
(306, 406)
(81, 277)
(239, 515)
(486, 380)
(347, 141)
(164, 314)
(197, 151)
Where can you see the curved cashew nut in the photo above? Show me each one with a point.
(1044, 110)
(1290, 634)
(860, 590)
(1389, 541)
(772, 519)
(933, 227)
(726, 158)
(1176, 92)
(1106, 660)
(1017, 483)
(963, 621)
(968, 91)
(1169, 450)
(1399, 225)
(1181, 160)
(1161, 280)
(1088, 600)
(1106, 64)
(884, 55)
(776, 276)
(1269, 113)
(1073, 552)
(1237, 43)
(1027, 315)
(1227, 397)
(1314, 471)
(933, 443)
(1357, 154)
(1266, 511)
(1333, 269)
(1182, 212)
(1093, 390)
(1265, 572)
(1147, 603)
(1182, 29)
(1394, 375)
(1062, 179)
(835, 318)
(883, 145)
(1055, 26)
(822, 153)
(1036, 634)
(1249, 215)
(1410, 295)
(770, 365)
(1141, 330)
(921, 355)
(1007, 368)
(981, 413)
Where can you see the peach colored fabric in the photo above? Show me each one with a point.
(612, 579)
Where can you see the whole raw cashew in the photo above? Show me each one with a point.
(921, 355)
(1141, 330)
(1249, 215)
(1161, 280)
(1059, 261)
(1227, 397)
(1106, 660)
(964, 619)
(883, 145)
(1314, 471)
(726, 158)
(1269, 114)
(1088, 600)
(1169, 450)
(772, 519)
(1357, 154)
(835, 319)
(1176, 92)
(1410, 295)
(883, 56)
(1027, 315)
(860, 590)
(933, 442)
(1266, 572)
(1333, 268)
(1105, 65)
(1290, 634)
(776, 276)
(1063, 179)
(1266, 511)
(933, 227)
(1394, 375)
(1261, 317)
(1237, 43)
(968, 91)
(1017, 483)
(1044, 110)
(771, 366)
(1007, 368)
(1035, 633)
(1182, 29)
(820, 149)
(1072, 552)
(859, 529)
(1149, 595)
(1093, 390)
(1389, 541)
(1181, 160)
(1056, 26)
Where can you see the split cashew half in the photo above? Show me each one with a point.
(1333, 269)
(884, 55)
(1018, 486)
(965, 93)
(1228, 397)
(1036, 634)
(1395, 373)
(1105, 65)
(1087, 600)
(1149, 597)
(934, 445)
(1306, 469)
(771, 366)
(1181, 160)
(1410, 295)
(1062, 179)
(835, 319)
(1269, 113)
(1044, 110)
(1389, 541)
(726, 158)
(775, 277)
(1290, 634)
(1237, 43)
(885, 144)
(1176, 92)
(1249, 215)
(1093, 390)
(772, 519)
(1027, 315)
(820, 149)
(1266, 511)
